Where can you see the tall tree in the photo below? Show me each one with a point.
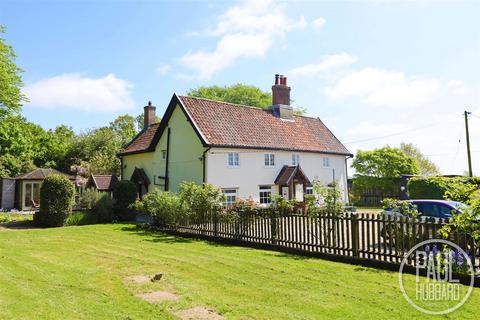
(385, 162)
(11, 97)
(425, 166)
(238, 93)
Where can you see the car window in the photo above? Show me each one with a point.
(430, 210)
(444, 212)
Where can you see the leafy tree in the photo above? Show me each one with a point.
(238, 93)
(139, 120)
(124, 127)
(11, 97)
(425, 166)
(22, 145)
(385, 162)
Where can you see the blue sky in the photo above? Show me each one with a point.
(376, 72)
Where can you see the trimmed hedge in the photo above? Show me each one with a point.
(437, 187)
(125, 194)
(56, 201)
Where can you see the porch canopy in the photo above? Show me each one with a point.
(293, 179)
(140, 178)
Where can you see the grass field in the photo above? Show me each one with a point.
(79, 273)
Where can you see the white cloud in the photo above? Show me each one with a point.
(318, 23)
(164, 69)
(248, 29)
(77, 92)
(378, 87)
(326, 63)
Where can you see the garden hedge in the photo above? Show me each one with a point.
(125, 194)
(56, 201)
(436, 187)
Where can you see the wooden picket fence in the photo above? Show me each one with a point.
(367, 236)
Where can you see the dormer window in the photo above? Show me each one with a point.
(269, 160)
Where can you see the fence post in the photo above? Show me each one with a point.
(354, 234)
(215, 223)
(273, 226)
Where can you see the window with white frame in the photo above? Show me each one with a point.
(230, 197)
(233, 159)
(326, 162)
(295, 159)
(164, 154)
(309, 190)
(265, 194)
(269, 160)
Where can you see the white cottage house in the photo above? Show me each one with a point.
(248, 152)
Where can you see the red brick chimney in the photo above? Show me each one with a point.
(280, 91)
(148, 115)
(281, 99)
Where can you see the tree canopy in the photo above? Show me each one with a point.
(385, 162)
(425, 166)
(239, 93)
(11, 97)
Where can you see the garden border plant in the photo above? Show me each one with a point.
(56, 201)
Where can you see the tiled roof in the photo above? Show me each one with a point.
(221, 124)
(143, 141)
(40, 174)
(103, 182)
(226, 124)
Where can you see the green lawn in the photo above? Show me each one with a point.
(79, 273)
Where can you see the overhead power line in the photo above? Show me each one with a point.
(392, 134)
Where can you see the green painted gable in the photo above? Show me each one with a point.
(184, 158)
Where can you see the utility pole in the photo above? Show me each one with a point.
(469, 156)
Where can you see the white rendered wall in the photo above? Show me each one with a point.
(251, 173)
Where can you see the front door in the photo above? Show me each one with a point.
(285, 193)
(32, 195)
(299, 192)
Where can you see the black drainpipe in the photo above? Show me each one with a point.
(204, 158)
(346, 176)
(168, 156)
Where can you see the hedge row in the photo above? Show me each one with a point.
(437, 187)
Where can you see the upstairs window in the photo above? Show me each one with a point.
(230, 197)
(233, 159)
(164, 154)
(309, 190)
(326, 162)
(295, 159)
(269, 160)
(265, 194)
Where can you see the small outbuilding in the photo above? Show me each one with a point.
(28, 187)
(102, 182)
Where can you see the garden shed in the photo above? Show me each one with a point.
(28, 187)
(7, 193)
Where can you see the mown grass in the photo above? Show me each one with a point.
(79, 273)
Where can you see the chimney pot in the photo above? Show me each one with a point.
(148, 115)
(280, 91)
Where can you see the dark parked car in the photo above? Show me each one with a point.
(440, 209)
